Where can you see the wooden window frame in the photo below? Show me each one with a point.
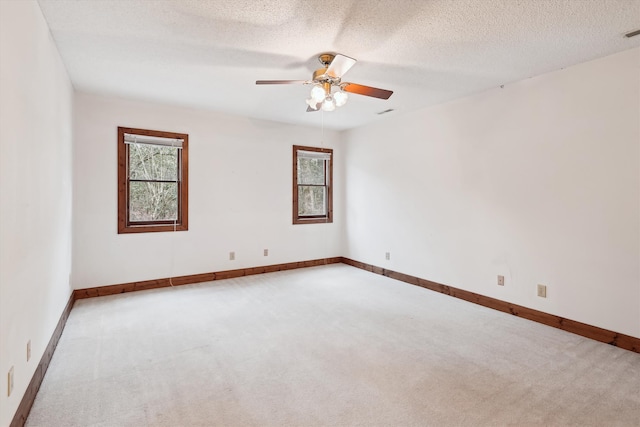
(182, 223)
(324, 219)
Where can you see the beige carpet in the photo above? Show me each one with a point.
(325, 346)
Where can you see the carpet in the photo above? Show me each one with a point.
(325, 346)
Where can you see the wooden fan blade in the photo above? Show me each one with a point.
(280, 82)
(340, 65)
(367, 90)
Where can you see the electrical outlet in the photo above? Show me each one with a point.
(232, 256)
(542, 291)
(28, 350)
(387, 256)
(10, 382)
(500, 280)
(266, 252)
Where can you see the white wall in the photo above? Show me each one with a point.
(240, 183)
(35, 193)
(538, 181)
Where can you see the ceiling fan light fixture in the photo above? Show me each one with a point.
(341, 98)
(312, 103)
(325, 79)
(328, 104)
(317, 93)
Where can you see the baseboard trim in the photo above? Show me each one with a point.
(20, 417)
(197, 278)
(623, 341)
(626, 342)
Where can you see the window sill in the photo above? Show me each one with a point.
(151, 228)
(312, 221)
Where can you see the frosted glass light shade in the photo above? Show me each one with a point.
(328, 104)
(312, 103)
(340, 98)
(317, 93)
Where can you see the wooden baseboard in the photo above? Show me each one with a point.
(29, 397)
(626, 342)
(197, 278)
(20, 417)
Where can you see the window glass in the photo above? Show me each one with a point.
(153, 201)
(153, 162)
(311, 171)
(312, 201)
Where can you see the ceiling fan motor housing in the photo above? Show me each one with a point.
(326, 58)
(320, 76)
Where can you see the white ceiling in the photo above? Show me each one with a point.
(208, 54)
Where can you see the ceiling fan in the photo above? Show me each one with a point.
(329, 77)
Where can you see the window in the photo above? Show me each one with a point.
(312, 187)
(152, 180)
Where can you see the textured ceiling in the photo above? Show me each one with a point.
(208, 54)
